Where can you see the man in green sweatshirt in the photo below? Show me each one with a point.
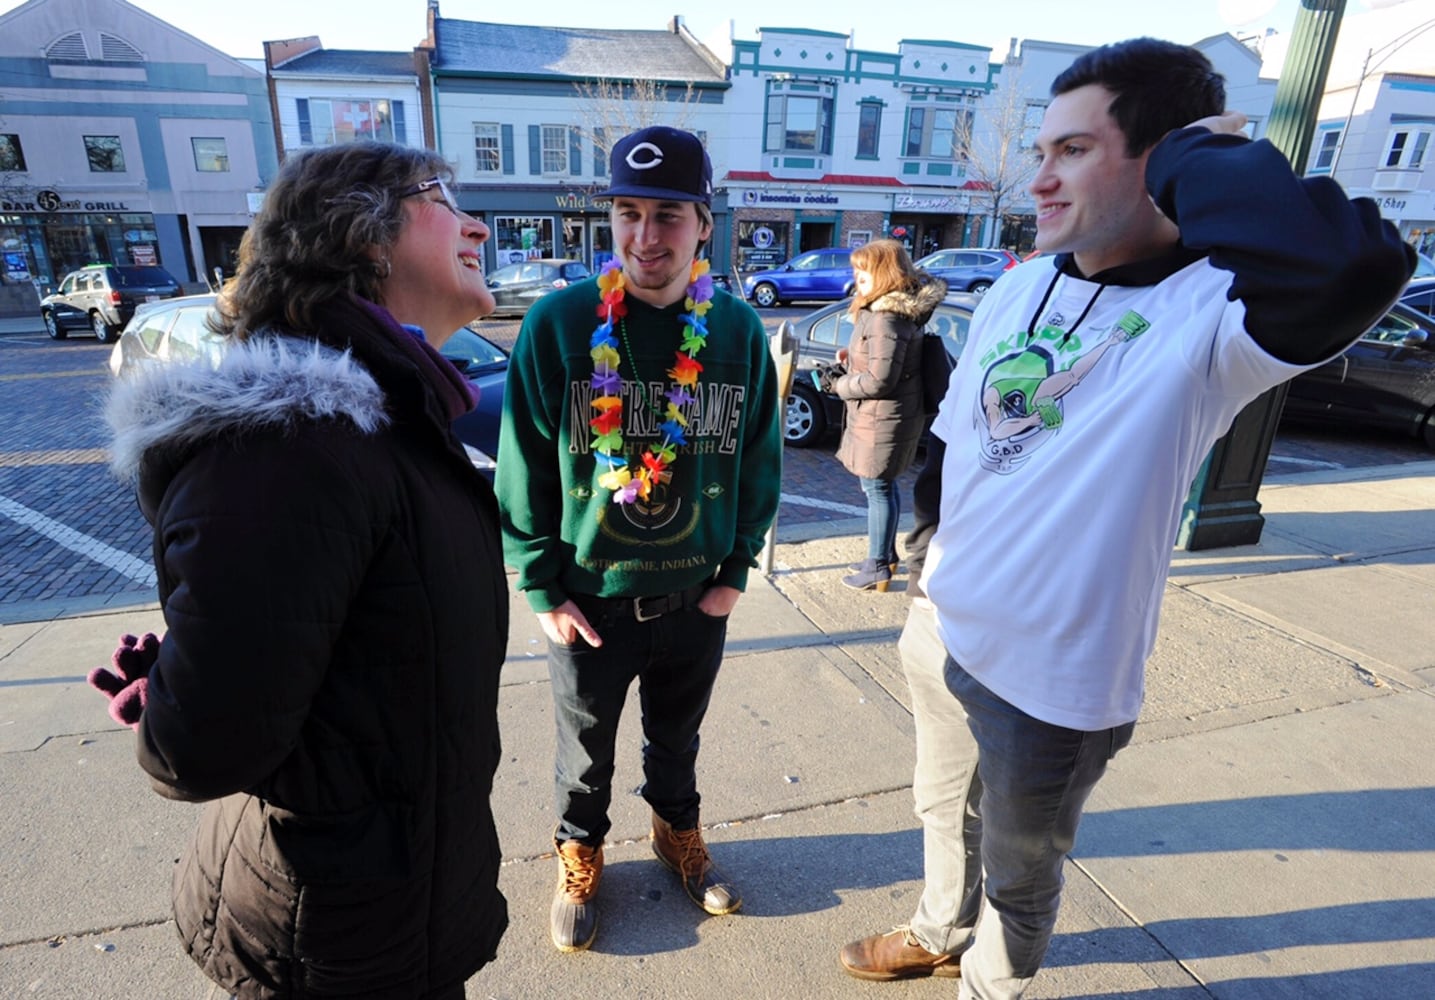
(641, 468)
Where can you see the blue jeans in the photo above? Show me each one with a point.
(884, 507)
(675, 659)
(1000, 796)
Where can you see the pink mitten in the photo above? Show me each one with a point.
(126, 683)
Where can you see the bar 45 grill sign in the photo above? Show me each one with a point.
(52, 201)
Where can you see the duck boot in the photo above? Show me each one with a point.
(573, 920)
(684, 852)
(874, 575)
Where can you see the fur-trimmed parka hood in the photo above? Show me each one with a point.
(917, 306)
(263, 382)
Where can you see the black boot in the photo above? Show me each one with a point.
(873, 575)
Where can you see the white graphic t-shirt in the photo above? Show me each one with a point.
(1073, 432)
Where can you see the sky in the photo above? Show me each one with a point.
(240, 28)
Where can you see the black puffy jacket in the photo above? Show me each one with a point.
(332, 582)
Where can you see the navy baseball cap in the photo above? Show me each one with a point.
(661, 162)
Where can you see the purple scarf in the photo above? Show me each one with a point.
(454, 391)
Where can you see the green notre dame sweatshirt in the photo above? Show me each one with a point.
(563, 533)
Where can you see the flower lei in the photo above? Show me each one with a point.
(631, 484)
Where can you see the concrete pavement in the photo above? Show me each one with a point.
(1269, 833)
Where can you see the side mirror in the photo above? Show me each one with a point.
(1417, 338)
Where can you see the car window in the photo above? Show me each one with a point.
(807, 262)
(191, 338)
(141, 277)
(506, 275)
(1423, 300)
(152, 328)
(825, 330)
(951, 325)
(575, 271)
(1392, 329)
(469, 351)
(840, 259)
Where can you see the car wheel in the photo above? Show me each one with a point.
(804, 420)
(53, 328)
(765, 295)
(104, 333)
(978, 287)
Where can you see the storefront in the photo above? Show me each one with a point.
(774, 224)
(1411, 212)
(47, 233)
(541, 222)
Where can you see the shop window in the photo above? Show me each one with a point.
(869, 129)
(211, 155)
(487, 148)
(799, 117)
(328, 123)
(12, 157)
(105, 154)
(522, 237)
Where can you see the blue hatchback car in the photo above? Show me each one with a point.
(815, 274)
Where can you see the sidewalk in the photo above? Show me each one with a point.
(1270, 832)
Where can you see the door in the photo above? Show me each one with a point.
(600, 239)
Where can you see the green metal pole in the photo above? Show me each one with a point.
(1222, 508)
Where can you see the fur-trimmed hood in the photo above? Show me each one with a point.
(262, 382)
(917, 306)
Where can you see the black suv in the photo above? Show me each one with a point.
(102, 298)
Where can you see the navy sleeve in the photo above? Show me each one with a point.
(1314, 268)
(926, 509)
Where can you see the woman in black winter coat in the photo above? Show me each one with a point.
(331, 578)
(882, 389)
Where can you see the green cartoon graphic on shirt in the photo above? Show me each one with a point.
(1020, 407)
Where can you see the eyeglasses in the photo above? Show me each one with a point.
(432, 184)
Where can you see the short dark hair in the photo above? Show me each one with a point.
(1158, 86)
(311, 241)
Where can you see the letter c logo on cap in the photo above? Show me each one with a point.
(653, 156)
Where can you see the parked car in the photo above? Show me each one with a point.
(101, 298)
(816, 274)
(1386, 379)
(1424, 266)
(811, 413)
(1420, 295)
(175, 330)
(517, 286)
(967, 269)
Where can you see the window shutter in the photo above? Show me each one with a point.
(535, 150)
(507, 145)
(401, 132)
(306, 133)
(575, 152)
(600, 155)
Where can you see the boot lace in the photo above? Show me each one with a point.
(693, 858)
(579, 874)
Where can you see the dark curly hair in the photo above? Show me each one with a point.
(1158, 86)
(311, 241)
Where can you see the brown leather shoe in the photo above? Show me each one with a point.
(573, 920)
(684, 852)
(895, 955)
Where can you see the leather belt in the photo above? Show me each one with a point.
(645, 609)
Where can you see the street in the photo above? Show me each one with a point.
(70, 530)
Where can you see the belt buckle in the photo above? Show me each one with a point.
(642, 616)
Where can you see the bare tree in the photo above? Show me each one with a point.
(999, 159)
(609, 109)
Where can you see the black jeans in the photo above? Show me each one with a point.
(675, 659)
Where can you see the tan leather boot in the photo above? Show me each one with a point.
(684, 852)
(573, 920)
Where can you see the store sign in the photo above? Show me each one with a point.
(572, 201)
(51, 201)
(755, 198)
(930, 203)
